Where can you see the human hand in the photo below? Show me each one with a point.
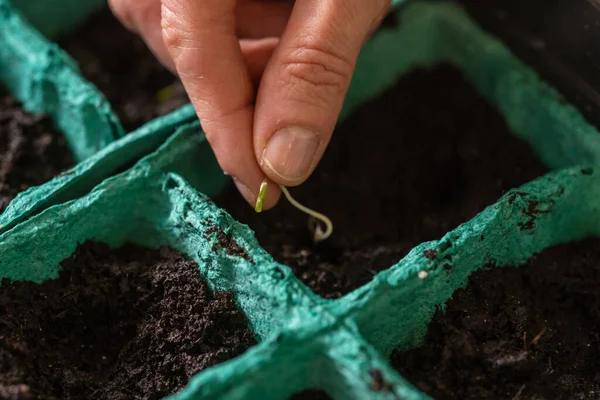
(267, 78)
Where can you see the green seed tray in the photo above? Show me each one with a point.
(79, 180)
(49, 16)
(45, 79)
(306, 341)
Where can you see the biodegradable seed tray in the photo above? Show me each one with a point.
(306, 342)
(45, 79)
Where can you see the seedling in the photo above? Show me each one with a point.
(315, 217)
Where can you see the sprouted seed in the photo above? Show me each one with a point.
(313, 222)
(261, 196)
(315, 218)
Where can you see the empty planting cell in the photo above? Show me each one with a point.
(31, 150)
(405, 168)
(119, 63)
(130, 323)
(517, 333)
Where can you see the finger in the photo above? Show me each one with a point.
(257, 53)
(259, 18)
(201, 39)
(143, 18)
(305, 82)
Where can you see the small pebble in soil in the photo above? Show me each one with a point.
(130, 323)
(405, 168)
(120, 64)
(527, 333)
(32, 151)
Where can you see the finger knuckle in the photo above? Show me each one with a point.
(179, 34)
(175, 37)
(316, 74)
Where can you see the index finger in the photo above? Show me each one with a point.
(201, 39)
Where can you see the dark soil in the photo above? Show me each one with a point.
(31, 150)
(390, 21)
(131, 323)
(120, 64)
(406, 168)
(517, 333)
(311, 394)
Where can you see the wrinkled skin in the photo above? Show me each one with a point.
(267, 77)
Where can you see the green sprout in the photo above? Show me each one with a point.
(261, 196)
(315, 217)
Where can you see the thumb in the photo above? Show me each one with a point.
(303, 88)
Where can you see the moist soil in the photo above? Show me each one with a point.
(130, 323)
(31, 151)
(528, 333)
(405, 168)
(120, 64)
(311, 394)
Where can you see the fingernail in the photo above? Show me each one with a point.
(290, 152)
(245, 192)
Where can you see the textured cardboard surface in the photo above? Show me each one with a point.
(306, 341)
(45, 79)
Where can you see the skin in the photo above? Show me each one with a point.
(267, 78)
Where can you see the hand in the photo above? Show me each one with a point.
(267, 78)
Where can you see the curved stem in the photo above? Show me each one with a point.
(318, 234)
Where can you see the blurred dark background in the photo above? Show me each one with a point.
(560, 39)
